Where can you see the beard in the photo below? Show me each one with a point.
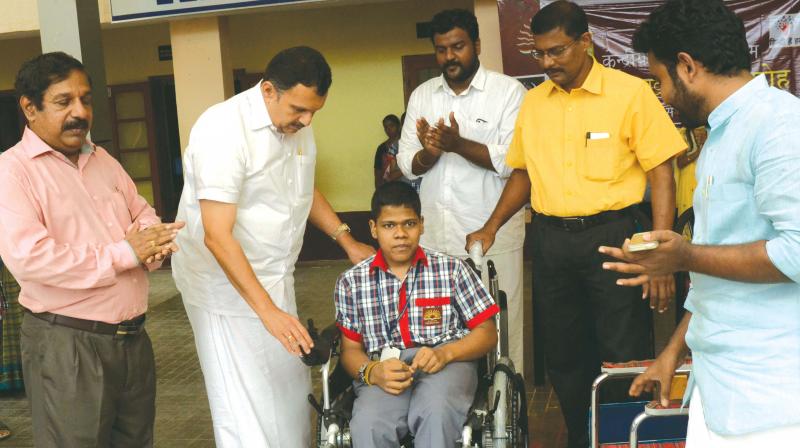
(689, 105)
(464, 74)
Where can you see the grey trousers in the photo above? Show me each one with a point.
(86, 389)
(433, 409)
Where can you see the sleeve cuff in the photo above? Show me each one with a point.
(483, 316)
(123, 256)
(650, 164)
(405, 160)
(349, 334)
(498, 155)
(782, 255)
(219, 195)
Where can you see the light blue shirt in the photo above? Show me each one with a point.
(745, 337)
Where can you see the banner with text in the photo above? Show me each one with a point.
(772, 27)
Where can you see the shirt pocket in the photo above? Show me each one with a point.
(734, 192)
(304, 175)
(116, 201)
(732, 207)
(601, 159)
(477, 130)
(435, 312)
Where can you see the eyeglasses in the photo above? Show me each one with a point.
(554, 53)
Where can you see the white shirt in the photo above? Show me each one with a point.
(235, 155)
(457, 195)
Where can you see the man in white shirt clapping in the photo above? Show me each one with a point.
(456, 134)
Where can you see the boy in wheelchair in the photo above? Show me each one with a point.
(414, 321)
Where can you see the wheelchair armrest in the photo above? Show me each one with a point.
(654, 408)
(324, 343)
(331, 334)
(636, 367)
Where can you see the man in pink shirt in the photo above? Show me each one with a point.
(79, 239)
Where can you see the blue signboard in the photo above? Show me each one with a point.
(125, 10)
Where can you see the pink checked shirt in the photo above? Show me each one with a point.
(62, 231)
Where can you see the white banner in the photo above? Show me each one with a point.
(126, 10)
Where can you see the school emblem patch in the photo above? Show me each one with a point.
(431, 315)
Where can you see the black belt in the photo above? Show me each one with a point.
(580, 223)
(124, 328)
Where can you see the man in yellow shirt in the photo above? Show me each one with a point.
(585, 145)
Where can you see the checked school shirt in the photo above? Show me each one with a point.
(439, 301)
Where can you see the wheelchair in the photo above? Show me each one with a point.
(641, 423)
(498, 415)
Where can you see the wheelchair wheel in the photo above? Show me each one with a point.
(505, 430)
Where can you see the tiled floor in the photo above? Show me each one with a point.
(182, 416)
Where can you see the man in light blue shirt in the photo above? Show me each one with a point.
(743, 319)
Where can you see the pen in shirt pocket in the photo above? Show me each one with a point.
(596, 136)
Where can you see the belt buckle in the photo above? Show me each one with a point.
(127, 330)
(574, 224)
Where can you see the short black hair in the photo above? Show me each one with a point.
(299, 65)
(707, 30)
(391, 117)
(38, 74)
(562, 14)
(444, 21)
(396, 193)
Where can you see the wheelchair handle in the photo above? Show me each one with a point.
(476, 253)
(323, 345)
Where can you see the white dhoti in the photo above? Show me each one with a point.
(256, 389)
(699, 436)
(510, 273)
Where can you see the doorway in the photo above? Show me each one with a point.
(417, 69)
(168, 156)
(12, 122)
(134, 137)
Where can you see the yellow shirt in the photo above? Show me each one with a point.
(588, 150)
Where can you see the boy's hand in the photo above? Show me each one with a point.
(393, 376)
(430, 360)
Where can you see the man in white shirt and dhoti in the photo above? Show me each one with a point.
(248, 192)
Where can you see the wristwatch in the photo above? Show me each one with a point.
(343, 227)
(362, 371)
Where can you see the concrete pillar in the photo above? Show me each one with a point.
(202, 68)
(73, 26)
(489, 24)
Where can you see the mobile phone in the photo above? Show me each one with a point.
(638, 243)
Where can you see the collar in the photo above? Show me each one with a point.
(739, 98)
(257, 116)
(478, 82)
(35, 146)
(592, 84)
(380, 262)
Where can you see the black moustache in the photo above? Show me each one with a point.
(81, 124)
